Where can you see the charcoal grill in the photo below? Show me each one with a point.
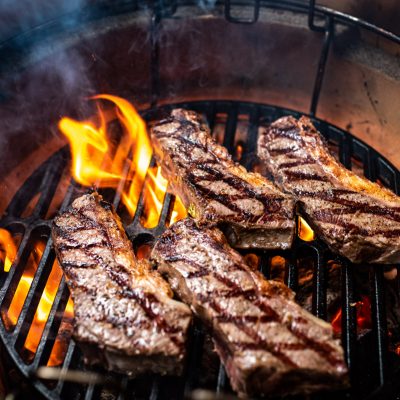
(373, 368)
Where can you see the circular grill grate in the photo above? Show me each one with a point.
(235, 125)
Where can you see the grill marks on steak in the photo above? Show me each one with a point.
(216, 190)
(354, 216)
(267, 342)
(125, 317)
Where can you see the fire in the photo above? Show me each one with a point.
(8, 249)
(363, 311)
(24, 284)
(304, 230)
(44, 306)
(154, 194)
(179, 212)
(61, 344)
(100, 160)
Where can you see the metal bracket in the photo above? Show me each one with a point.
(229, 17)
(329, 31)
(311, 15)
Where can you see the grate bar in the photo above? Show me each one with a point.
(379, 321)
(32, 299)
(251, 144)
(292, 274)
(222, 379)
(230, 128)
(320, 281)
(50, 182)
(349, 322)
(90, 391)
(124, 388)
(52, 325)
(69, 359)
(15, 273)
(155, 388)
(194, 359)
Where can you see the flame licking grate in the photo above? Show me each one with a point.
(113, 153)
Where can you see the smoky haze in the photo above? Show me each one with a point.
(17, 16)
(37, 83)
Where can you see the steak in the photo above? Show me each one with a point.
(356, 217)
(267, 343)
(124, 315)
(216, 190)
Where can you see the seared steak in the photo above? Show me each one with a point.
(267, 343)
(216, 190)
(125, 318)
(355, 217)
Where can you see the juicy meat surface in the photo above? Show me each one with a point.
(216, 190)
(125, 317)
(267, 343)
(356, 217)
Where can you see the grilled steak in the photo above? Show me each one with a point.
(355, 217)
(216, 190)
(125, 318)
(267, 343)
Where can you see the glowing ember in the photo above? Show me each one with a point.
(363, 311)
(8, 249)
(304, 230)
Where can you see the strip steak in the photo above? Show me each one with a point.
(251, 210)
(267, 343)
(125, 317)
(357, 218)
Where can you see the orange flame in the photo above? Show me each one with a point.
(45, 303)
(304, 230)
(61, 344)
(179, 212)
(98, 160)
(363, 311)
(24, 284)
(43, 308)
(8, 249)
(153, 197)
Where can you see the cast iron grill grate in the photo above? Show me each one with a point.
(236, 125)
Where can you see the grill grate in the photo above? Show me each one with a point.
(371, 366)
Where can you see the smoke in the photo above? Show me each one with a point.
(17, 16)
(39, 79)
(206, 5)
